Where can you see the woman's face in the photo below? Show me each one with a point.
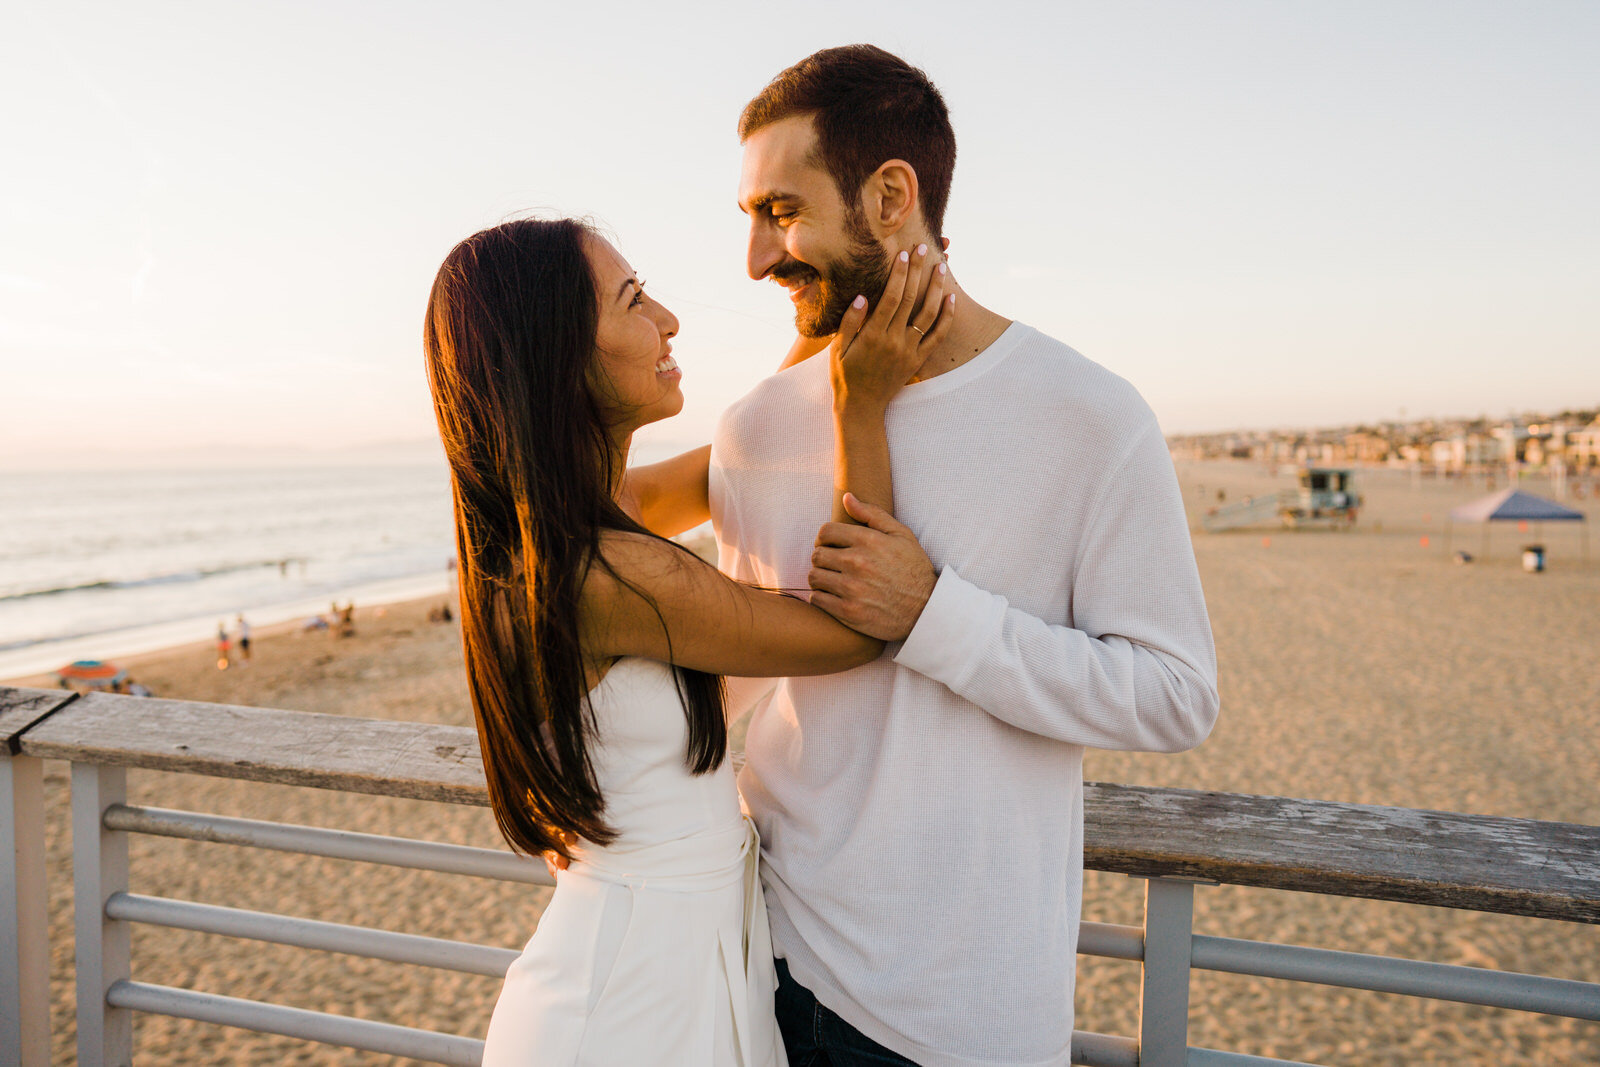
(633, 375)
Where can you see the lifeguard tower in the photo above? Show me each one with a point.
(1326, 496)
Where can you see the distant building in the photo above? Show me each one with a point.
(1583, 447)
(1513, 441)
(1456, 446)
(1365, 447)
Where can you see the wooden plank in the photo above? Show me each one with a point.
(424, 761)
(21, 708)
(1444, 859)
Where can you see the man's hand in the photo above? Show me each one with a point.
(874, 578)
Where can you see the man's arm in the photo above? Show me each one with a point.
(669, 497)
(1137, 671)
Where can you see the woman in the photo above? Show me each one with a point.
(595, 648)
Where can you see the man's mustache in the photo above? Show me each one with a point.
(794, 271)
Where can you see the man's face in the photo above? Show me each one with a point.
(803, 235)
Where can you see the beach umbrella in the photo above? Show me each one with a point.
(1513, 505)
(91, 673)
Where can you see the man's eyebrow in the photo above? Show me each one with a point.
(766, 200)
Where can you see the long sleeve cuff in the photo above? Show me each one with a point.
(947, 642)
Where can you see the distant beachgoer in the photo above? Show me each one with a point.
(134, 689)
(224, 647)
(347, 620)
(244, 641)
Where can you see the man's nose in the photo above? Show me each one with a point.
(765, 252)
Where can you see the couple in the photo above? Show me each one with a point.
(1007, 579)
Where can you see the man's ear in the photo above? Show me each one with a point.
(891, 197)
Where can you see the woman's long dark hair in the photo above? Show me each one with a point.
(510, 336)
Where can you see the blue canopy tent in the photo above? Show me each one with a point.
(1513, 505)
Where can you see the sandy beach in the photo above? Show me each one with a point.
(1355, 665)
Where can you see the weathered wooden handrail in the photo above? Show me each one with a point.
(1548, 870)
(419, 761)
(1482, 863)
(1173, 838)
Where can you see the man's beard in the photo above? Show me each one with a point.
(862, 271)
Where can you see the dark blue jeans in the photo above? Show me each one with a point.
(816, 1037)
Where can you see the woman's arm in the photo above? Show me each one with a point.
(871, 360)
(665, 604)
(669, 497)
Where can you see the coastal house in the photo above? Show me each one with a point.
(1479, 450)
(1513, 442)
(1365, 446)
(1583, 447)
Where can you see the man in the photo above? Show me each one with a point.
(922, 816)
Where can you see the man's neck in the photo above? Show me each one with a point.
(975, 328)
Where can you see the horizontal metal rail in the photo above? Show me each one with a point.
(297, 1022)
(1104, 1050)
(1385, 974)
(335, 844)
(1110, 940)
(1210, 1057)
(414, 949)
(1094, 939)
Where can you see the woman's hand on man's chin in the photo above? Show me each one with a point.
(876, 353)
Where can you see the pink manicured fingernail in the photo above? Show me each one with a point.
(922, 250)
(944, 268)
(905, 257)
(859, 302)
(952, 300)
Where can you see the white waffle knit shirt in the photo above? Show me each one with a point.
(922, 816)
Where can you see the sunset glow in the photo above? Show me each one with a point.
(219, 223)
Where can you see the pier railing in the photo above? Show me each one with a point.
(1174, 839)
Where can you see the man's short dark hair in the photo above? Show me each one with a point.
(868, 107)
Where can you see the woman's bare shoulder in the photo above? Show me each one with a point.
(630, 560)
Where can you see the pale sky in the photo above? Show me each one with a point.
(219, 222)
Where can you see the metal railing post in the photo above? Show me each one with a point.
(1164, 989)
(100, 868)
(24, 918)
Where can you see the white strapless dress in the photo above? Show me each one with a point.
(654, 950)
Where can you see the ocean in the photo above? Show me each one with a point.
(101, 564)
